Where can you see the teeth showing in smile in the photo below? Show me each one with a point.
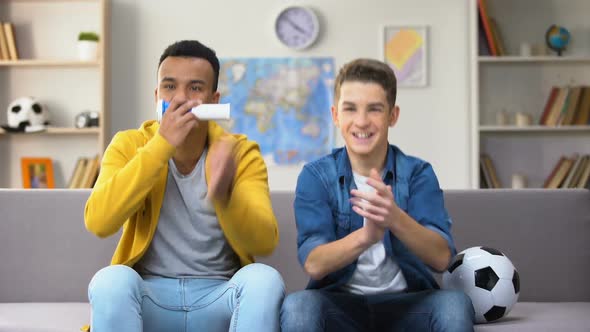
(362, 135)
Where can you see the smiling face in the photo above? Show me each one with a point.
(363, 115)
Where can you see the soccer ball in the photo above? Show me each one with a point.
(488, 277)
(26, 114)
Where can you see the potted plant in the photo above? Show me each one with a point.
(87, 46)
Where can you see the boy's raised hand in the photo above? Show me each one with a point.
(223, 169)
(178, 120)
(378, 206)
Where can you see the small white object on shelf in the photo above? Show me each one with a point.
(519, 181)
(526, 49)
(87, 50)
(523, 119)
(502, 118)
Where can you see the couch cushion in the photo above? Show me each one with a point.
(46, 253)
(539, 317)
(46, 317)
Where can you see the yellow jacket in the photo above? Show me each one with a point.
(130, 189)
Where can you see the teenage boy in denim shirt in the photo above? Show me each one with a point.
(372, 225)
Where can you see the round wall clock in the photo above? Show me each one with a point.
(297, 27)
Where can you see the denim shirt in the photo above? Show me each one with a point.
(324, 214)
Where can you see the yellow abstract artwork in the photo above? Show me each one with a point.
(404, 49)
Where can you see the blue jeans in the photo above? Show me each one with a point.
(122, 301)
(431, 310)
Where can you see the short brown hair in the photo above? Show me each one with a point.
(368, 71)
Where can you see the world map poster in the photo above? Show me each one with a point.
(281, 103)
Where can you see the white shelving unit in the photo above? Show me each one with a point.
(514, 83)
(532, 59)
(49, 63)
(46, 35)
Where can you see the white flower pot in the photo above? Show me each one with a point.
(87, 50)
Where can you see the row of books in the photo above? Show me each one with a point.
(489, 40)
(570, 172)
(85, 173)
(567, 106)
(8, 49)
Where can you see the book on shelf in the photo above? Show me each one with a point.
(578, 171)
(4, 55)
(549, 105)
(497, 37)
(490, 171)
(557, 166)
(482, 42)
(557, 107)
(77, 173)
(487, 26)
(91, 172)
(584, 180)
(569, 112)
(559, 173)
(484, 175)
(566, 102)
(576, 160)
(10, 40)
(582, 116)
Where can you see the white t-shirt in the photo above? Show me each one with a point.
(375, 273)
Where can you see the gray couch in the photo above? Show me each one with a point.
(47, 258)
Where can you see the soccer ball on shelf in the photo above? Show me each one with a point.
(26, 114)
(488, 277)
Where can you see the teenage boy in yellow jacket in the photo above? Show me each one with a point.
(194, 205)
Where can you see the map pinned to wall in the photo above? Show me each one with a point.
(281, 103)
(405, 51)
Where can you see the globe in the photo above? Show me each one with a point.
(557, 38)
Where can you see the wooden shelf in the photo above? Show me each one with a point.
(533, 59)
(60, 131)
(48, 63)
(54, 0)
(533, 129)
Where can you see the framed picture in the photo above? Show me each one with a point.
(405, 50)
(37, 173)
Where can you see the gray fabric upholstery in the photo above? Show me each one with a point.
(46, 255)
(525, 317)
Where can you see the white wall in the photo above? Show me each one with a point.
(434, 123)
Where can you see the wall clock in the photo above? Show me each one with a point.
(297, 27)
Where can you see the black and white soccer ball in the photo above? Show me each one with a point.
(488, 277)
(26, 114)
